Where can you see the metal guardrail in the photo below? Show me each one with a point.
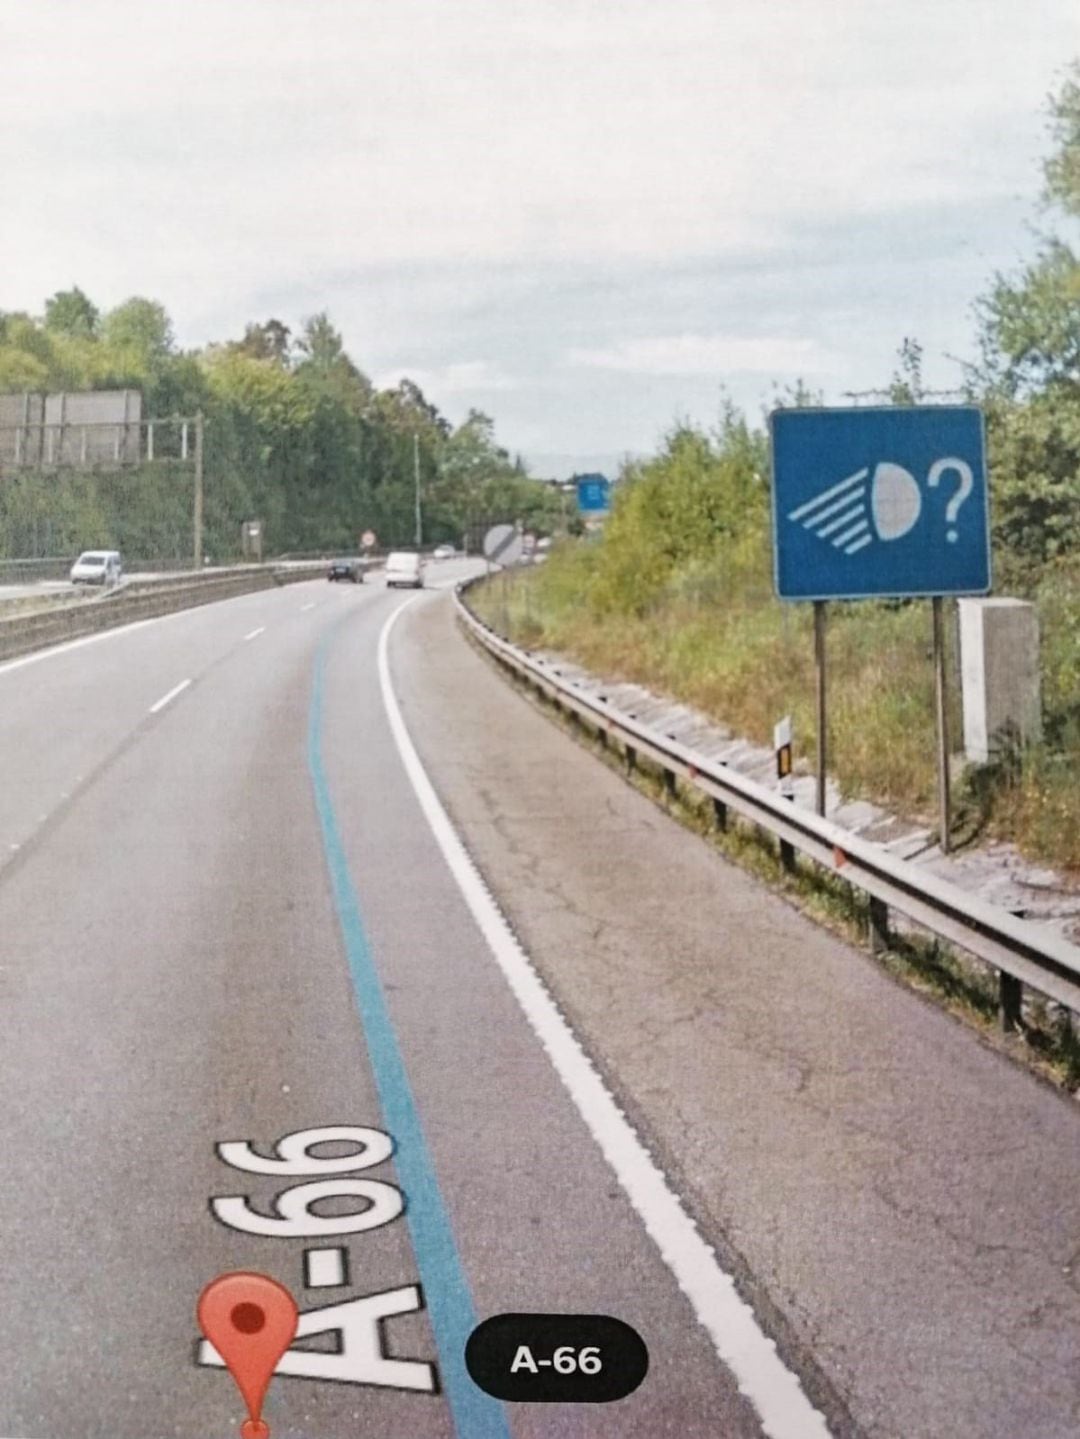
(29, 571)
(22, 633)
(1022, 952)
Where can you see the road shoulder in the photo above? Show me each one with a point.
(839, 1137)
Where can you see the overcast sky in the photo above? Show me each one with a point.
(584, 217)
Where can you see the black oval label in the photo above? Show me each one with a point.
(556, 1358)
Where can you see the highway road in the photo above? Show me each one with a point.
(323, 955)
(64, 589)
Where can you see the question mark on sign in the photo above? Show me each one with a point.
(967, 484)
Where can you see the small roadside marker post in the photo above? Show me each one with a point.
(820, 705)
(941, 706)
(782, 746)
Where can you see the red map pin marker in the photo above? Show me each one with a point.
(250, 1320)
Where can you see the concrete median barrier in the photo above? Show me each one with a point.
(142, 600)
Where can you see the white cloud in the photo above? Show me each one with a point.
(225, 141)
(492, 180)
(710, 355)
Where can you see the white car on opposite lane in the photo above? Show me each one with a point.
(97, 567)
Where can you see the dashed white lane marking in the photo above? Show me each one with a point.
(309, 606)
(9, 666)
(324, 1268)
(165, 699)
(773, 1390)
(252, 634)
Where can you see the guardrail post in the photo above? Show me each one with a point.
(669, 784)
(787, 856)
(630, 756)
(1010, 998)
(878, 925)
(720, 814)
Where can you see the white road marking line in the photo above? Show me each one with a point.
(324, 1268)
(9, 666)
(773, 1390)
(164, 700)
(253, 633)
(37, 655)
(309, 606)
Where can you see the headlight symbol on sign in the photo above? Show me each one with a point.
(851, 514)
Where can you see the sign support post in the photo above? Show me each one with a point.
(942, 712)
(416, 494)
(822, 716)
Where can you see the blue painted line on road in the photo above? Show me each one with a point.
(446, 1289)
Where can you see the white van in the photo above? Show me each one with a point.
(405, 567)
(97, 567)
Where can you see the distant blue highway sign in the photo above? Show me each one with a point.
(879, 502)
(593, 494)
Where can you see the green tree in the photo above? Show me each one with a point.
(1028, 375)
(272, 340)
(20, 370)
(406, 409)
(70, 312)
(1062, 168)
(906, 386)
(698, 507)
(1030, 325)
(31, 357)
(296, 436)
(321, 343)
(327, 367)
(477, 484)
(139, 329)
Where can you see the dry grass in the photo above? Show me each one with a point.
(714, 637)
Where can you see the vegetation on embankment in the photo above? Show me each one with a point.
(678, 597)
(685, 607)
(677, 594)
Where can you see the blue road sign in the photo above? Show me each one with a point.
(873, 502)
(593, 494)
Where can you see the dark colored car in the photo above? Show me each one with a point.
(347, 570)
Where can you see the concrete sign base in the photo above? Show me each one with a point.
(999, 665)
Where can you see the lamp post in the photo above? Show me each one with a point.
(416, 478)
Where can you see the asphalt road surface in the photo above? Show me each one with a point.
(260, 1010)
